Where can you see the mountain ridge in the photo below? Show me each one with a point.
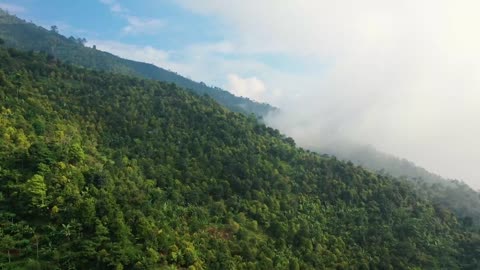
(463, 201)
(107, 171)
(453, 194)
(27, 36)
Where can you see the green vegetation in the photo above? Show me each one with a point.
(454, 195)
(458, 197)
(105, 171)
(27, 36)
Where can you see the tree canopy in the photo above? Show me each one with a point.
(105, 171)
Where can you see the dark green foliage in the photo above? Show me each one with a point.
(458, 197)
(103, 171)
(27, 36)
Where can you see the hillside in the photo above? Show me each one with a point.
(26, 36)
(452, 194)
(368, 157)
(105, 171)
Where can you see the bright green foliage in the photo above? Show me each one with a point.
(102, 171)
(27, 36)
(36, 190)
(454, 195)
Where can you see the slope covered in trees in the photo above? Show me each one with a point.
(114, 172)
(369, 157)
(452, 194)
(27, 36)
(19, 34)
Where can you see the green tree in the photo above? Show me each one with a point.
(36, 190)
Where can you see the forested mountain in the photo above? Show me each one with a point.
(369, 157)
(26, 36)
(105, 171)
(453, 194)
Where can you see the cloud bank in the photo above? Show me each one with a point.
(246, 87)
(147, 54)
(403, 76)
(138, 25)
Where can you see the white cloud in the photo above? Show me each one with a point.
(137, 25)
(196, 61)
(12, 8)
(246, 87)
(114, 6)
(147, 54)
(401, 75)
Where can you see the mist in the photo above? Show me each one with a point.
(403, 76)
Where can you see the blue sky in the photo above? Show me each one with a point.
(161, 32)
(97, 19)
(400, 75)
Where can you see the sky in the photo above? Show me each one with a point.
(403, 76)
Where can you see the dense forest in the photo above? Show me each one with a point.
(455, 195)
(106, 171)
(26, 36)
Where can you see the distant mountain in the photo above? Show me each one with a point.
(453, 194)
(26, 36)
(369, 157)
(17, 33)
